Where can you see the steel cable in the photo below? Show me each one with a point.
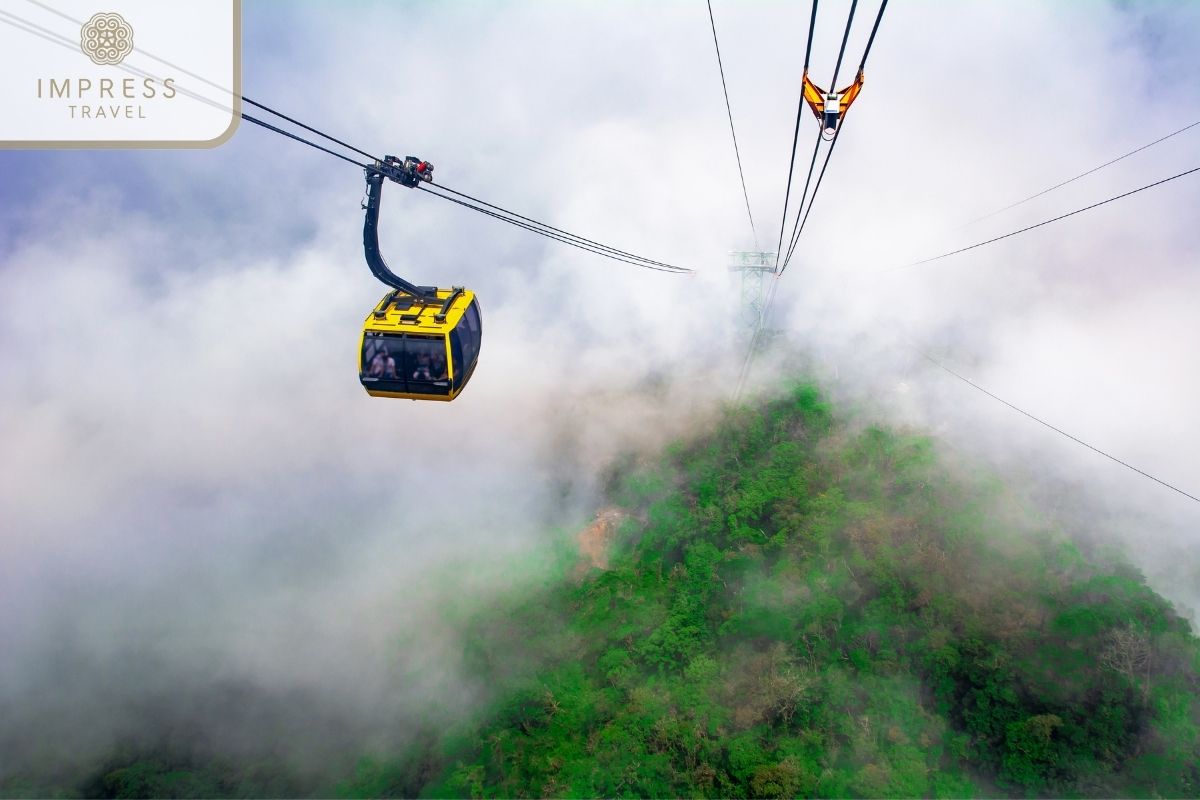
(1044, 222)
(1084, 174)
(503, 214)
(289, 135)
(1057, 430)
(568, 234)
(308, 128)
(842, 50)
(812, 21)
(670, 269)
(802, 222)
(729, 110)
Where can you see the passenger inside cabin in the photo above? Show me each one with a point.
(375, 370)
(438, 367)
(382, 364)
(423, 365)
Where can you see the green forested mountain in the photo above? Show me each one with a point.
(791, 606)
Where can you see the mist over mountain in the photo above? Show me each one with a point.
(798, 602)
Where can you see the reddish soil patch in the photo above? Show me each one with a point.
(595, 540)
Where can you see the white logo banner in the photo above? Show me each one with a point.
(128, 73)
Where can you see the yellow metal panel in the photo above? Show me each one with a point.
(813, 95)
(425, 322)
(405, 396)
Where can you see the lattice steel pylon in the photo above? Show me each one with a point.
(753, 266)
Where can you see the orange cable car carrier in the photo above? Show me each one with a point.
(830, 107)
(420, 342)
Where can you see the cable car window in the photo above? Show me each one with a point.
(380, 357)
(456, 356)
(470, 330)
(425, 365)
(461, 335)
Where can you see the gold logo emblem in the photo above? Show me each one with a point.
(106, 39)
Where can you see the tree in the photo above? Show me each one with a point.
(1128, 653)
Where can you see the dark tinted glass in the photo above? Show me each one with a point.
(425, 365)
(473, 332)
(404, 363)
(382, 357)
(456, 354)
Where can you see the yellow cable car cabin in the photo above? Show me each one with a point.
(422, 349)
(420, 342)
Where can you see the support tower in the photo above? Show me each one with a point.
(754, 267)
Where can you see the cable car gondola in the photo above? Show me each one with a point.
(420, 342)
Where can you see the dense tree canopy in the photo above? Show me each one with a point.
(797, 608)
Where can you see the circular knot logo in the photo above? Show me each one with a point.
(106, 39)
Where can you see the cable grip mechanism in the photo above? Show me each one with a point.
(410, 172)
